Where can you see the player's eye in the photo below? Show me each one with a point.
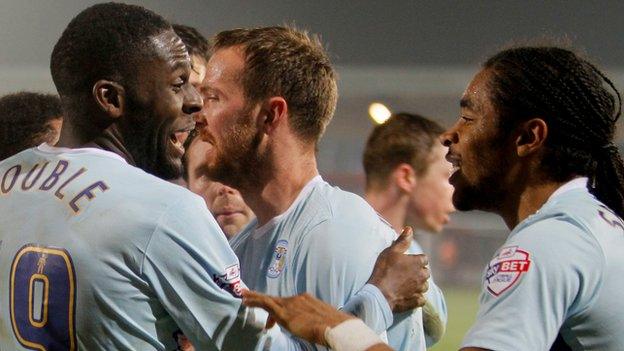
(179, 83)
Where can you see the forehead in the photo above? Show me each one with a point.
(170, 48)
(476, 97)
(226, 64)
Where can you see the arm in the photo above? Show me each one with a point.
(336, 259)
(313, 320)
(434, 313)
(396, 285)
(545, 273)
(193, 274)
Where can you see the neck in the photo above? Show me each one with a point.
(288, 175)
(108, 139)
(391, 204)
(526, 201)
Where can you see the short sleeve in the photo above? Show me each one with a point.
(335, 260)
(409, 327)
(545, 273)
(195, 276)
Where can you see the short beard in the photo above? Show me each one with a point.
(485, 196)
(489, 193)
(239, 162)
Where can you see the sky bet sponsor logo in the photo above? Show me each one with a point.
(505, 269)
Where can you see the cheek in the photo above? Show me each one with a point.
(435, 199)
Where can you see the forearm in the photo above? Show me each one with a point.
(369, 305)
(434, 314)
(277, 340)
(352, 335)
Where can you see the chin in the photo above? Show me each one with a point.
(462, 204)
(436, 229)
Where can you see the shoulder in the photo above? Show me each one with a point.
(562, 229)
(349, 217)
(549, 251)
(350, 225)
(557, 243)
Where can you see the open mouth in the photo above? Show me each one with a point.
(453, 160)
(455, 165)
(178, 138)
(454, 169)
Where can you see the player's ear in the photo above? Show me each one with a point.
(405, 177)
(274, 111)
(531, 136)
(110, 97)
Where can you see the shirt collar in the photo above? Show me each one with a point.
(576, 183)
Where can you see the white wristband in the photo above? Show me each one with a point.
(351, 335)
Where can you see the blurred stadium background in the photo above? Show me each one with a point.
(414, 56)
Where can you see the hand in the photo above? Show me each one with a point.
(302, 315)
(401, 278)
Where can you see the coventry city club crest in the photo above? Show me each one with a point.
(278, 261)
(505, 269)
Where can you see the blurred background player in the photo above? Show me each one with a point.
(534, 144)
(28, 119)
(407, 183)
(269, 95)
(225, 203)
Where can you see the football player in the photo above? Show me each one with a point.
(269, 95)
(407, 179)
(534, 143)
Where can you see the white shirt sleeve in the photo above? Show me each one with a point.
(546, 272)
(194, 274)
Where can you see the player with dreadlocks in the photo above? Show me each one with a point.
(534, 144)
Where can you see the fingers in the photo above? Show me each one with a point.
(270, 322)
(269, 303)
(402, 243)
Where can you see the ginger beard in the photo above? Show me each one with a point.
(237, 157)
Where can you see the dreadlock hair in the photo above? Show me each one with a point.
(571, 95)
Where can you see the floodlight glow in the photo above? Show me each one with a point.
(379, 112)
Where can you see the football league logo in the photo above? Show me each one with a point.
(230, 281)
(278, 262)
(505, 269)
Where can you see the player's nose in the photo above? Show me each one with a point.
(193, 102)
(449, 137)
(224, 189)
